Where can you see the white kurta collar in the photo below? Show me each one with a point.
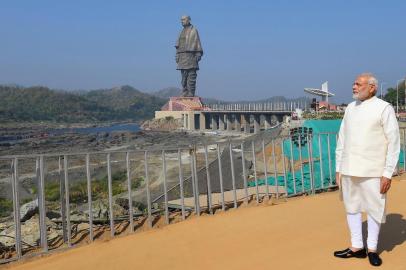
(371, 99)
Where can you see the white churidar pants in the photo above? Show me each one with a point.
(362, 194)
(355, 225)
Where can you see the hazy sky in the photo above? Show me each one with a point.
(252, 49)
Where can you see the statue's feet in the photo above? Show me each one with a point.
(187, 94)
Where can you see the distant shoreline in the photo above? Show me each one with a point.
(18, 134)
(53, 125)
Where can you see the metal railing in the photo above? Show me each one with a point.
(260, 106)
(150, 186)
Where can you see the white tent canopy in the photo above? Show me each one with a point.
(323, 92)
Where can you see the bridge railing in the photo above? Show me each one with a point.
(56, 201)
(265, 106)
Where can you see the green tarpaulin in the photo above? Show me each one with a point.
(323, 140)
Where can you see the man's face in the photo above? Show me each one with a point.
(361, 89)
(185, 21)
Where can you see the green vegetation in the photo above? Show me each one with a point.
(127, 102)
(52, 191)
(6, 207)
(78, 191)
(26, 200)
(323, 115)
(391, 94)
(42, 104)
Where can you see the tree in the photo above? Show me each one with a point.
(391, 94)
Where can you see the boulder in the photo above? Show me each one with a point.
(51, 214)
(30, 232)
(77, 217)
(123, 202)
(28, 210)
(83, 227)
(100, 209)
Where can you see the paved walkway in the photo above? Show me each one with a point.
(299, 234)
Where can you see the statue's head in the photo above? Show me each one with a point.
(185, 20)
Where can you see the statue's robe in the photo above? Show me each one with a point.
(188, 48)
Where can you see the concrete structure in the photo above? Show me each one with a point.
(185, 108)
(241, 121)
(323, 104)
(245, 117)
(323, 92)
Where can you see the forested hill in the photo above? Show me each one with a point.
(22, 104)
(28, 104)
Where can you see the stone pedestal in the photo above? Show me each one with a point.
(183, 104)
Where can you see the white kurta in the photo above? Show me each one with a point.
(362, 194)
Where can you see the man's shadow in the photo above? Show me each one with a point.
(392, 234)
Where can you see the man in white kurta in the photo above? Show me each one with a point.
(366, 157)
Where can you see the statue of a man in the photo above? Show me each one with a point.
(188, 54)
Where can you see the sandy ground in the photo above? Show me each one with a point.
(299, 234)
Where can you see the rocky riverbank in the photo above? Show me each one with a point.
(153, 141)
(71, 142)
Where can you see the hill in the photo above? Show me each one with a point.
(19, 104)
(168, 92)
(42, 104)
(124, 103)
(127, 102)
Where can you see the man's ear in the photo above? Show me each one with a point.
(372, 89)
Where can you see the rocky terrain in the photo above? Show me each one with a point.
(153, 141)
(69, 143)
(163, 124)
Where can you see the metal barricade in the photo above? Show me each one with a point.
(82, 196)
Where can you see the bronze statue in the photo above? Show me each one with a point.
(188, 54)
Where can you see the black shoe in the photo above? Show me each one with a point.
(374, 259)
(348, 253)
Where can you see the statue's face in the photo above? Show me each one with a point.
(185, 20)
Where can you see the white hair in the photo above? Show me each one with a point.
(371, 78)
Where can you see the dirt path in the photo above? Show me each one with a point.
(300, 234)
